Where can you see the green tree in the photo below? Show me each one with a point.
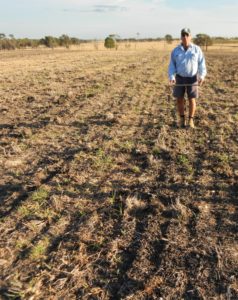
(110, 42)
(23, 43)
(7, 44)
(64, 40)
(50, 41)
(2, 36)
(75, 41)
(168, 38)
(203, 39)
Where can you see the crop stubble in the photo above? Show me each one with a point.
(102, 197)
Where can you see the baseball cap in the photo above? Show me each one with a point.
(185, 31)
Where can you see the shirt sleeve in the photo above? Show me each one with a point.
(172, 67)
(202, 70)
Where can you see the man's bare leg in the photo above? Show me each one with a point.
(181, 111)
(192, 110)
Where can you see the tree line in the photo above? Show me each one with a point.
(112, 41)
(200, 39)
(10, 42)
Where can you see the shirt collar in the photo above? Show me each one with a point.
(190, 46)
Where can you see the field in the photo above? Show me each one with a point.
(102, 195)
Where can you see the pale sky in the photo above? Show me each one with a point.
(95, 19)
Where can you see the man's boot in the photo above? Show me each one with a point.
(182, 122)
(191, 123)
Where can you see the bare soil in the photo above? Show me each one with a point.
(102, 195)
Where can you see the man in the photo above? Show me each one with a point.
(187, 67)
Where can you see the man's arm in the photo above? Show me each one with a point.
(202, 70)
(172, 69)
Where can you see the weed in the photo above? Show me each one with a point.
(102, 160)
(39, 251)
(236, 117)
(91, 92)
(66, 181)
(183, 159)
(23, 146)
(21, 244)
(127, 146)
(46, 213)
(112, 199)
(136, 109)
(135, 169)
(223, 158)
(81, 213)
(120, 209)
(156, 152)
(94, 246)
(24, 211)
(185, 163)
(201, 141)
(40, 195)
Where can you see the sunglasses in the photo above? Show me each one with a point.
(184, 34)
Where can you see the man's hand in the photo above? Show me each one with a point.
(201, 81)
(172, 82)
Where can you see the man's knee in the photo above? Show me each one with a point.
(180, 99)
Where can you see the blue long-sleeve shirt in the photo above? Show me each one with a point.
(187, 63)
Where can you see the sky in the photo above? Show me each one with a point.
(96, 19)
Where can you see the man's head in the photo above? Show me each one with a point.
(186, 37)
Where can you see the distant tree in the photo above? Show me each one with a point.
(64, 40)
(2, 36)
(50, 41)
(23, 43)
(203, 39)
(7, 44)
(168, 38)
(11, 36)
(110, 42)
(75, 41)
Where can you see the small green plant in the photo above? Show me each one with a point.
(156, 152)
(36, 205)
(39, 250)
(185, 163)
(23, 146)
(81, 213)
(40, 195)
(183, 159)
(21, 244)
(127, 146)
(223, 158)
(24, 211)
(201, 141)
(120, 209)
(112, 199)
(236, 117)
(135, 169)
(94, 246)
(102, 160)
(90, 92)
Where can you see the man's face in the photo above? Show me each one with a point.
(186, 39)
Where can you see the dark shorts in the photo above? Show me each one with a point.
(192, 91)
